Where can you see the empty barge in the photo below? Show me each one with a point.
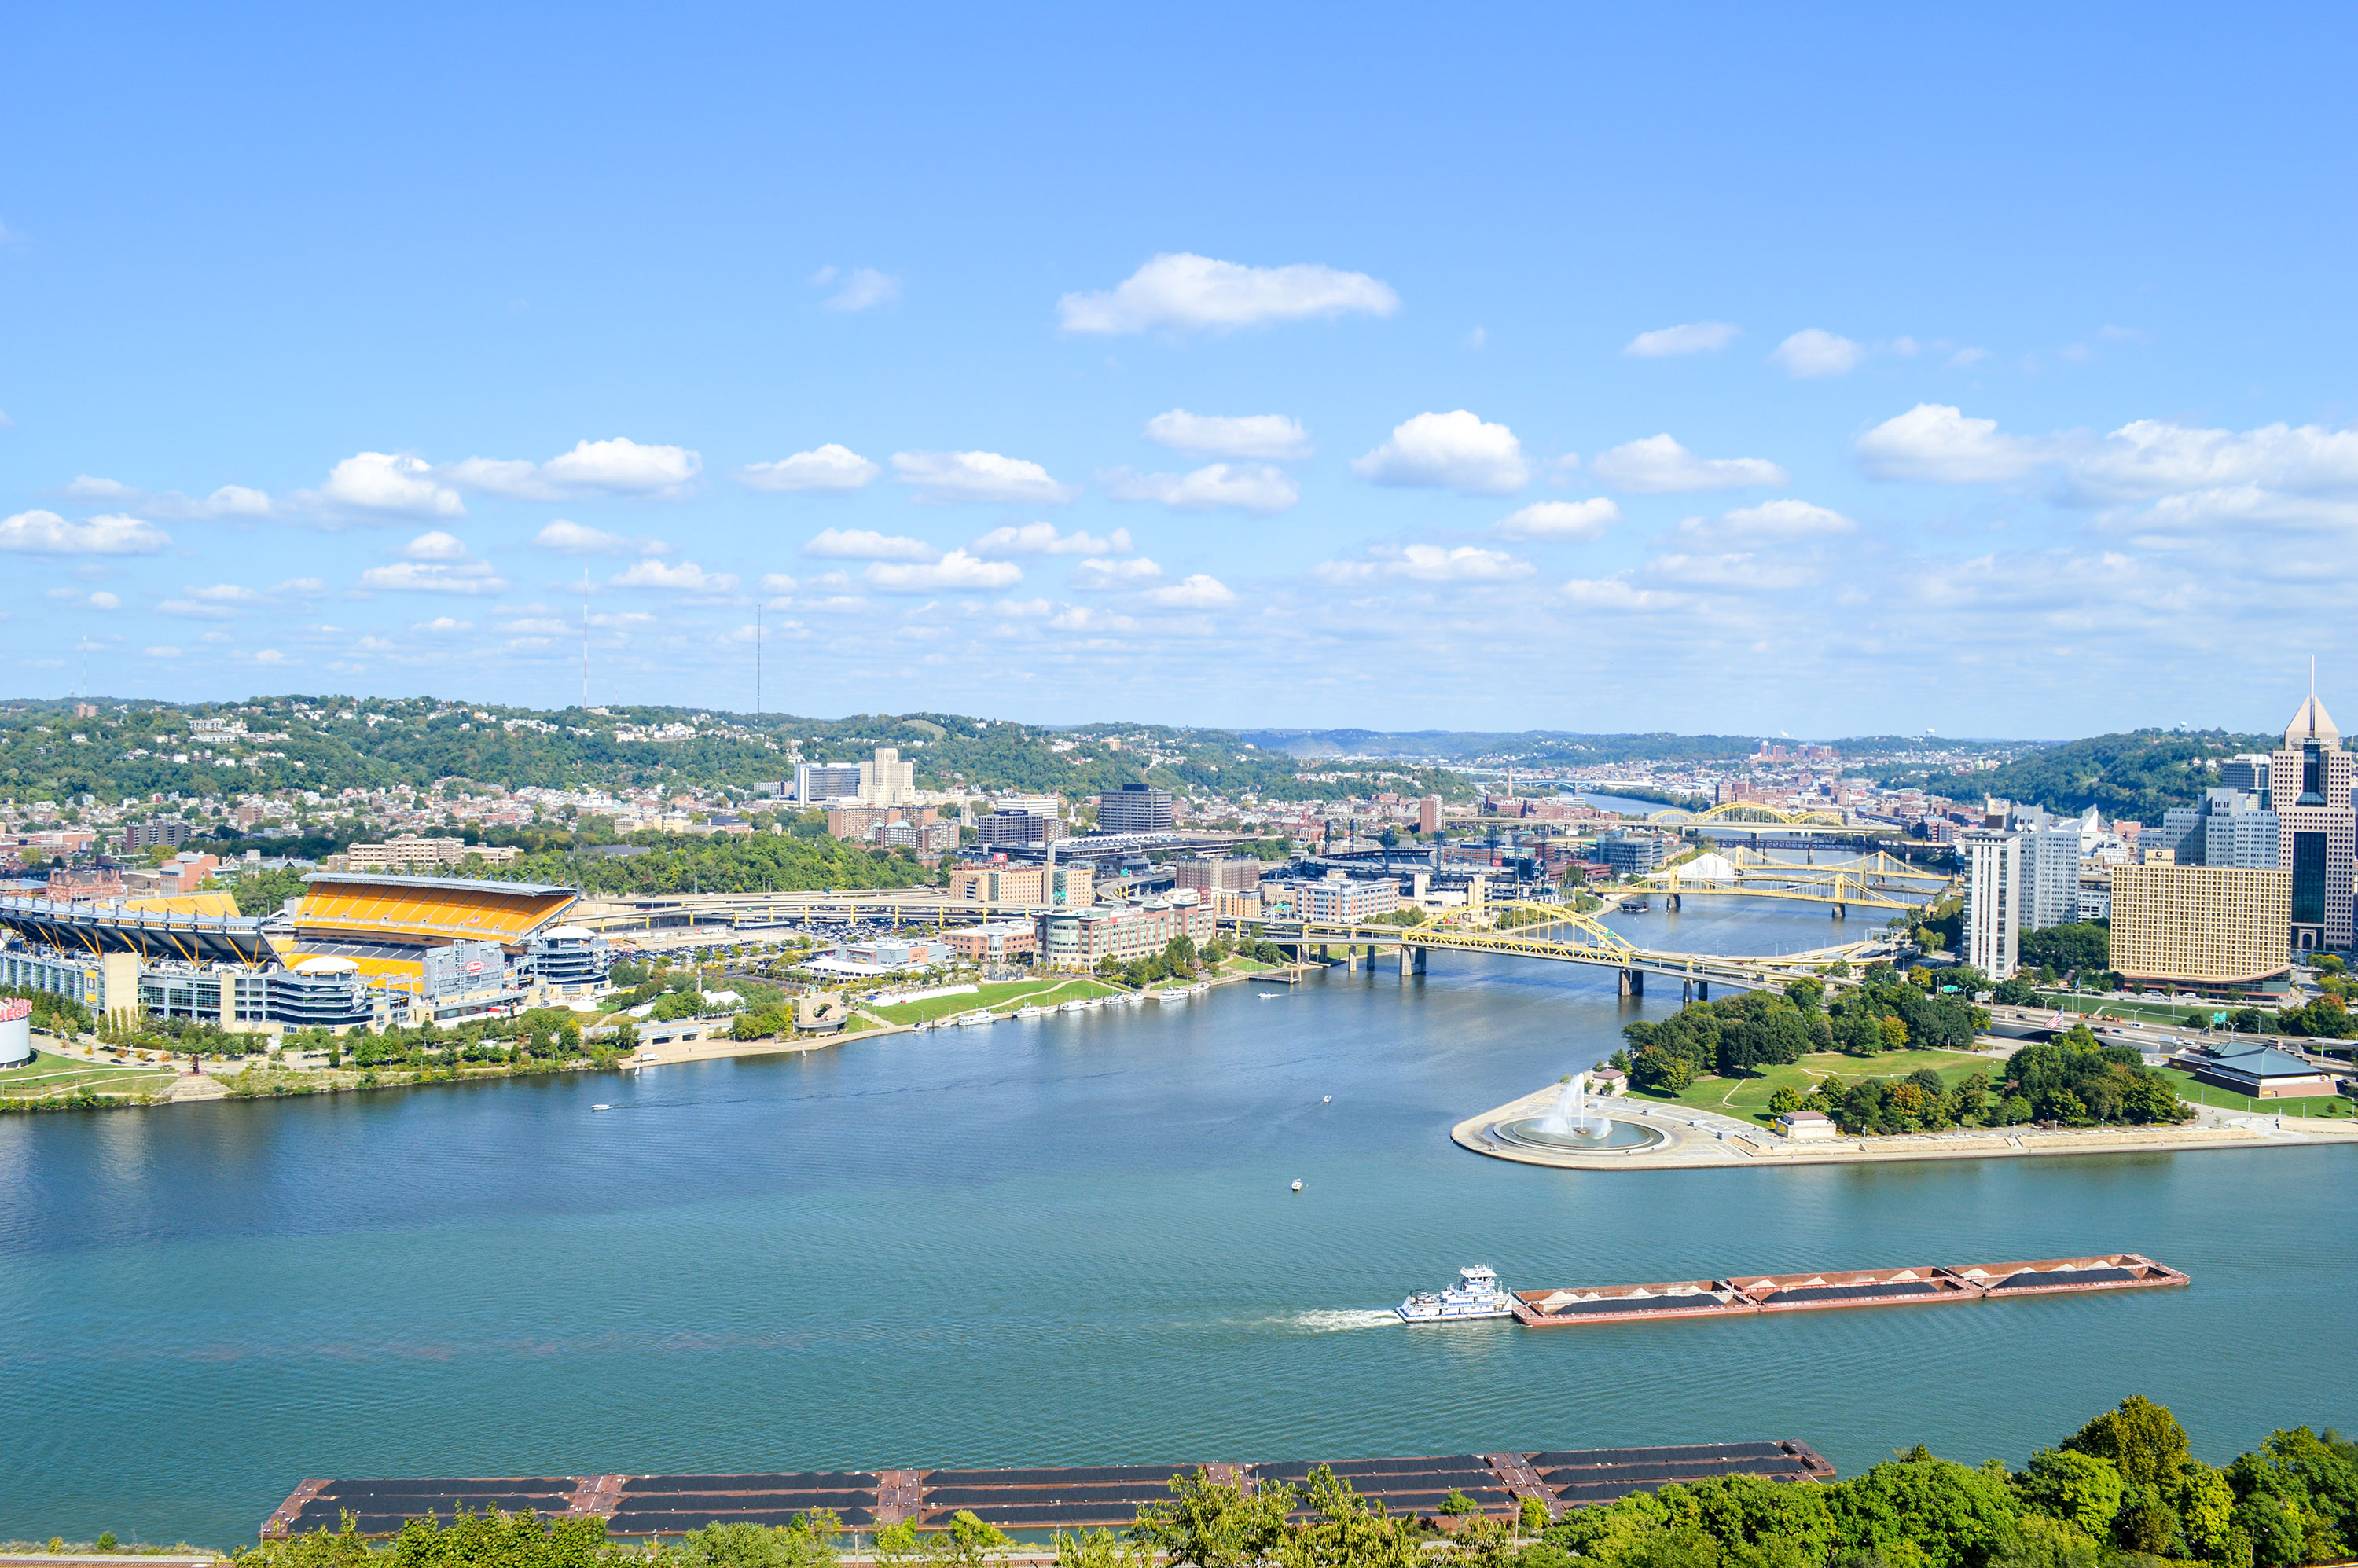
(1034, 1499)
(1841, 1288)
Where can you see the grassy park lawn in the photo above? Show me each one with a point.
(47, 1075)
(2171, 1014)
(1747, 1097)
(999, 995)
(2203, 1094)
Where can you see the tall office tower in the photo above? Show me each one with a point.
(2309, 779)
(2247, 773)
(822, 781)
(1992, 898)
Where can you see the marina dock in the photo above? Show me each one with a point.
(1107, 1496)
(1841, 1288)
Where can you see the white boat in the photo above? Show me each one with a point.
(1297, 1184)
(602, 1108)
(1199, 986)
(1032, 1011)
(1075, 1005)
(1476, 1294)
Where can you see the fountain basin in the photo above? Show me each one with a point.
(1534, 1132)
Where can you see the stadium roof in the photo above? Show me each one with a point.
(340, 906)
(115, 927)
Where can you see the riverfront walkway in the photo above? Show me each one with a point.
(1690, 1138)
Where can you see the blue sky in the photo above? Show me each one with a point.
(1706, 371)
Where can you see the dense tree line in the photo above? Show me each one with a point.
(761, 862)
(1739, 1034)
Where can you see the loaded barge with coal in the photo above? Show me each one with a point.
(1841, 1288)
(1110, 1495)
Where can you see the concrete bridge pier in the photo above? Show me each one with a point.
(1633, 982)
(1408, 964)
(1840, 911)
(1702, 990)
(1351, 957)
(1671, 903)
(1686, 990)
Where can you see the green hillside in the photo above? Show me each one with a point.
(2138, 774)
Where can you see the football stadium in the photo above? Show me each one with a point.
(355, 949)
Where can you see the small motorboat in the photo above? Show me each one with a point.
(602, 1108)
(1297, 1184)
(1328, 1099)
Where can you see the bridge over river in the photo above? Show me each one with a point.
(1551, 933)
(1560, 935)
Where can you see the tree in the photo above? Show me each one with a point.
(1926, 1510)
(809, 1543)
(2076, 1486)
(1212, 1524)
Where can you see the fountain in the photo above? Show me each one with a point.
(1571, 1116)
(1572, 1123)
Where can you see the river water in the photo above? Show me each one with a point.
(1066, 1242)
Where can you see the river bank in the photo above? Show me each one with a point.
(1687, 1137)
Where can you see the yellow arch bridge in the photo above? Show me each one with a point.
(1869, 881)
(1558, 935)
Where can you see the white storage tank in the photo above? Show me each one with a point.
(16, 1032)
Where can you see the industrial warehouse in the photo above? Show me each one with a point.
(353, 949)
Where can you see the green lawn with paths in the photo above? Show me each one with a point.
(999, 995)
(1746, 1098)
(47, 1075)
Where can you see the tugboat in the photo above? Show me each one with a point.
(1476, 1294)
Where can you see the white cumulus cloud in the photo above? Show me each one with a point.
(1195, 591)
(1245, 487)
(618, 467)
(1575, 520)
(436, 545)
(2152, 457)
(1660, 466)
(1456, 450)
(1753, 527)
(674, 577)
(1690, 338)
(947, 477)
(578, 539)
(434, 576)
(957, 569)
(1937, 442)
(229, 501)
(1104, 576)
(1811, 352)
(1042, 539)
(1185, 292)
(831, 468)
(859, 289)
(1229, 436)
(867, 544)
(383, 484)
(1426, 563)
(39, 533)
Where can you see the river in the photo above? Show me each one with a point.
(1066, 1242)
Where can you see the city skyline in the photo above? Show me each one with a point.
(1722, 387)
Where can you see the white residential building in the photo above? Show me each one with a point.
(1992, 898)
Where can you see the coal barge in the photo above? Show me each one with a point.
(1841, 1288)
(1109, 1495)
